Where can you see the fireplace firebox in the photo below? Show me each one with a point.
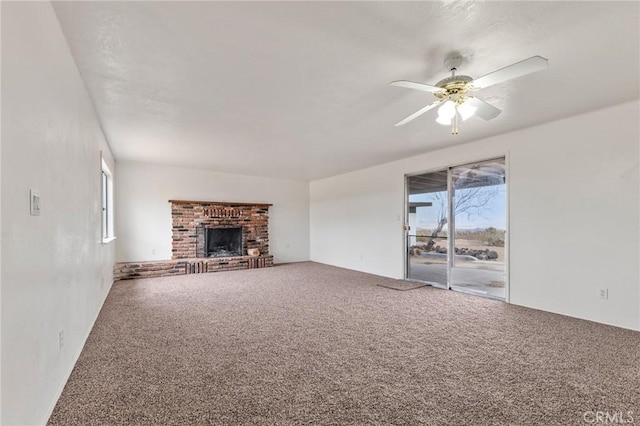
(223, 242)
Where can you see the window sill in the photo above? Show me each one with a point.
(108, 240)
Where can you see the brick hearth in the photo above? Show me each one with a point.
(190, 219)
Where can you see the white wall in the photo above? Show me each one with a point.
(1, 80)
(573, 210)
(143, 212)
(55, 272)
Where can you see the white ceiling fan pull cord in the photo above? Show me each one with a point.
(454, 123)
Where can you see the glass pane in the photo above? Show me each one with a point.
(480, 228)
(427, 237)
(105, 225)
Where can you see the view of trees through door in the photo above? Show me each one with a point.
(466, 252)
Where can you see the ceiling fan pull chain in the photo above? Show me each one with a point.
(454, 123)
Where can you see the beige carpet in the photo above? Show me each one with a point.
(311, 344)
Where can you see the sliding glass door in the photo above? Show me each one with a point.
(456, 228)
(478, 194)
(427, 230)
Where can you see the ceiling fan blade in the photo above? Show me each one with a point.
(533, 64)
(484, 110)
(416, 86)
(418, 113)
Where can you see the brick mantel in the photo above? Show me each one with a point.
(220, 203)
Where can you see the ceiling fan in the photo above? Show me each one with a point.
(455, 94)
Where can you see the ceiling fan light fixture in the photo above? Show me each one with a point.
(447, 110)
(453, 122)
(466, 110)
(444, 121)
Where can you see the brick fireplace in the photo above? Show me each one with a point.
(209, 236)
(191, 219)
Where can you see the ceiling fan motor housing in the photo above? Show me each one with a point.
(455, 88)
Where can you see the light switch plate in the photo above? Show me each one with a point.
(604, 293)
(35, 203)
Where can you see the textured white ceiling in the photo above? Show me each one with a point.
(301, 89)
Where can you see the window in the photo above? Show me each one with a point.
(107, 203)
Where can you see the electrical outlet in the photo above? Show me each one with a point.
(34, 203)
(61, 338)
(604, 293)
(153, 251)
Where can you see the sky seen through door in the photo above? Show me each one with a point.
(492, 215)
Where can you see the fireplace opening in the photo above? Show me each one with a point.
(223, 242)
